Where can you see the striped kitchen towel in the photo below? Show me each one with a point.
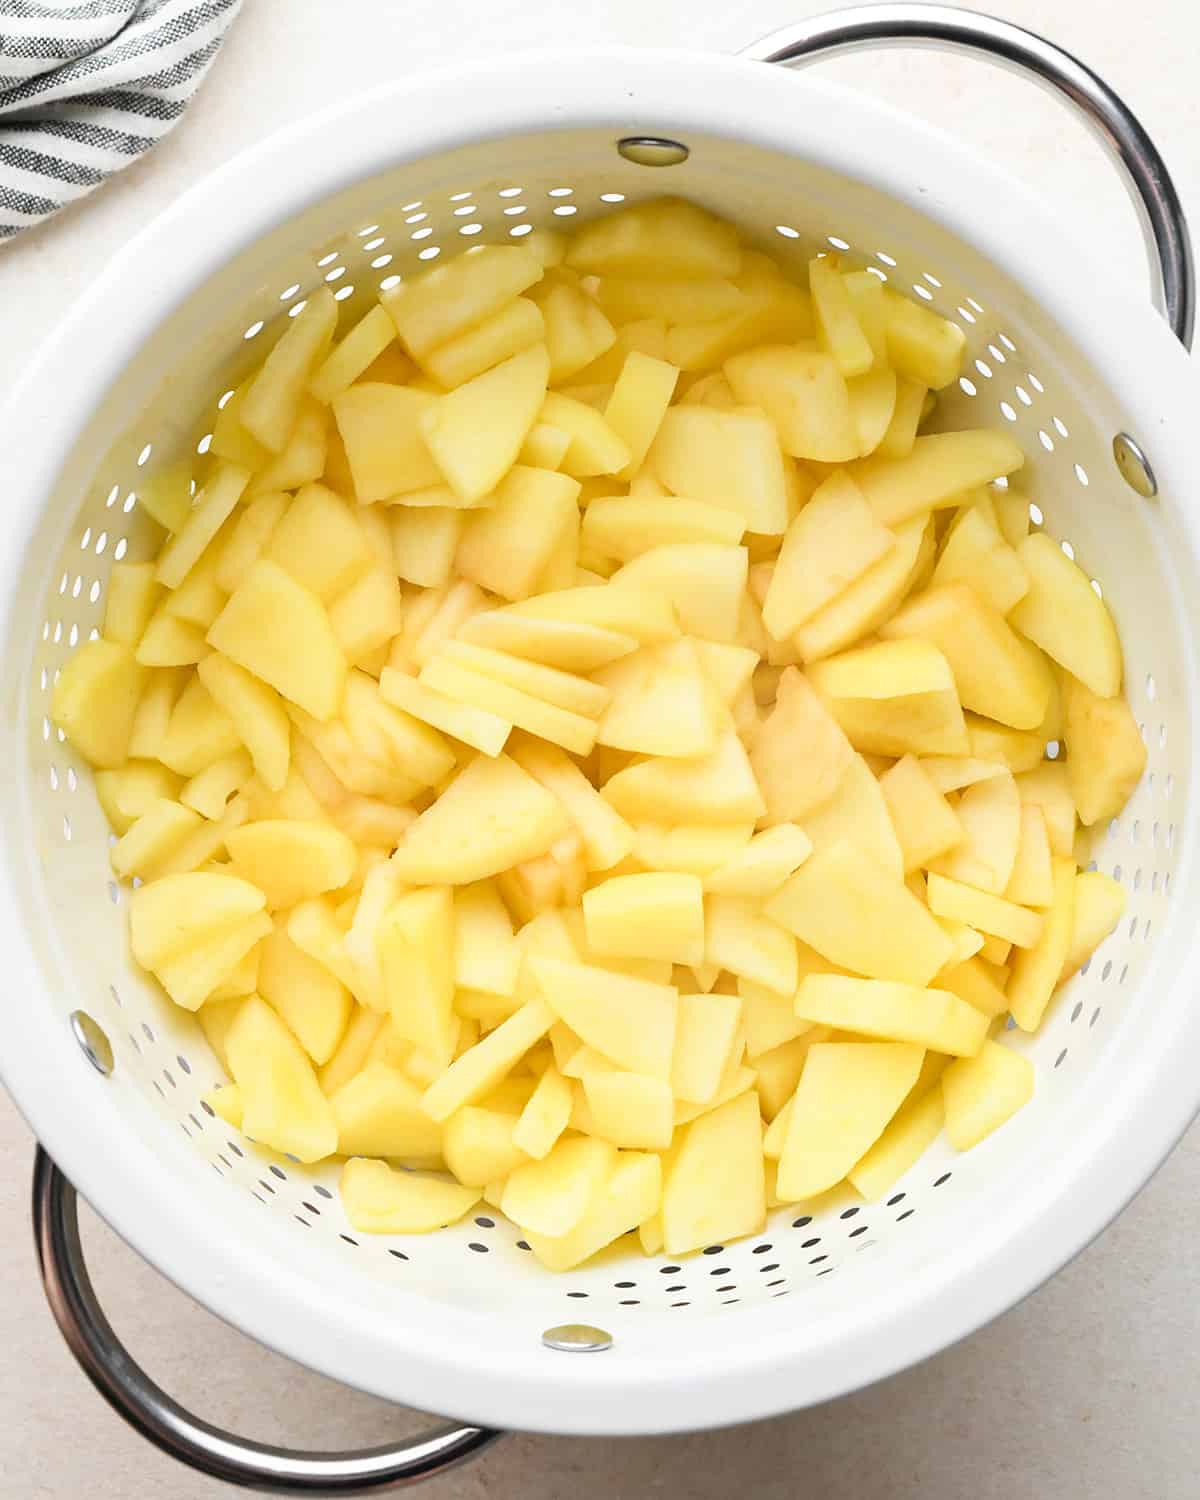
(87, 86)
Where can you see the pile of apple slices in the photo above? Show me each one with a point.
(581, 740)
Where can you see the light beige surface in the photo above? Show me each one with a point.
(1088, 1388)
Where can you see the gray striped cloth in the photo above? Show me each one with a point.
(87, 86)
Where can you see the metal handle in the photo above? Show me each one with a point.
(150, 1411)
(1142, 169)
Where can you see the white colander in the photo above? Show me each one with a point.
(456, 1321)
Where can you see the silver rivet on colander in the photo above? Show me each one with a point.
(93, 1043)
(1135, 467)
(652, 151)
(577, 1338)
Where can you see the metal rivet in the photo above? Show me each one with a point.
(652, 151)
(93, 1043)
(577, 1338)
(1135, 467)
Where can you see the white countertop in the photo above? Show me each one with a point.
(1092, 1385)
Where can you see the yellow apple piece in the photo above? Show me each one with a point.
(478, 727)
(738, 938)
(867, 602)
(934, 1018)
(486, 954)
(981, 1093)
(481, 1067)
(95, 699)
(1063, 615)
(703, 580)
(251, 531)
(279, 632)
(607, 837)
(380, 427)
(437, 305)
(291, 861)
(353, 354)
(990, 814)
(478, 1145)
(911, 1131)
(282, 1103)
(857, 815)
(551, 1196)
(631, 1021)
(151, 838)
(577, 330)
(424, 542)
(994, 673)
(833, 541)
(761, 866)
(727, 458)
(1019, 750)
(714, 1189)
(1037, 969)
(507, 331)
(936, 472)
(447, 677)
(800, 755)
(506, 547)
(768, 1016)
(273, 398)
(688, 849)
(378, 1113)
(1048, 786)
(171, 642)
(198, 733)
(987, 913)
(629, 1197)
(661, 238)
(838, 329)
(921, 344)
(662, 704)
(476, 431)
(256, 713)
(380, 1200)
(133, 596)
(804, 394)
(127, 793)
(209, 790)
(492, 816)
(1032, 880)
(704, 1036)
(893, 698)
(313, 1002)
(624, 527)
(192, 977)
(166, 495)
(416, 947)
(846, 1096)
(630, 1110)
(907, 411)
(319, 543)
(1106, 754)
(655, 915)
(545, 1116)
(974, 552)
(975, 982)
(353, 1051)
(925, 823)
(642, 613)
(872, 405)
(1099, 906)
(715, 788)
(824, 904)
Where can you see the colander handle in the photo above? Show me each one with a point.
(151, 1412)
(1142, 168)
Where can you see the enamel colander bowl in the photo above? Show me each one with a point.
(1099, 390)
